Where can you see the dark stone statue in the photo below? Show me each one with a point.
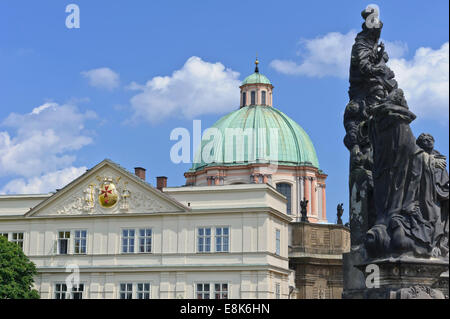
(408, 211)
(441, 182)
(304, 210)
(398, 188)
(399, 185)
(340, 212)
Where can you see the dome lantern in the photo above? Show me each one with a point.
(256, 89)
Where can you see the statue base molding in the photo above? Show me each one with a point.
(402, 278)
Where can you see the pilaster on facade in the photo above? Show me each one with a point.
(313, 196)
(180, 285)
(260, 178)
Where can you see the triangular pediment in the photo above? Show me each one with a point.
(107, 189)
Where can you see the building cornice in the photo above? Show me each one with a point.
(198, 211)
(168, 268)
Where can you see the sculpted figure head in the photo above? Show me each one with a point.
(397, 97)
(426, 142)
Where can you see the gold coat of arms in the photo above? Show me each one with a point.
(108, 195)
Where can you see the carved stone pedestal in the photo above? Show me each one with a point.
(402, 278)
(354, 280)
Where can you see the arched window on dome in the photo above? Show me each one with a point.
(285, 189)
(244, 98)
(253, 98)
(263, 97)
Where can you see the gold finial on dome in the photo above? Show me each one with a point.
(256, 64)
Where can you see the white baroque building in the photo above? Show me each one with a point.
(225, 234)
(185, 242)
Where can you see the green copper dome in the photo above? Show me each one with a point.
(261, 133)
(256, 78)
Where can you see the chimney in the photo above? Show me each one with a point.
(140, 172)
(161, 182)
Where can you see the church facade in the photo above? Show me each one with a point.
(230, 232)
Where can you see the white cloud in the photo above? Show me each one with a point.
(425, 80)
(42, 141)
(103, 78)
(197, 88)
(328, 55)
(44, 183)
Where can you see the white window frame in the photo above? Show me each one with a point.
(126, 291)
(136, 240)
(9, 237)
(204, 237)
(212, 289)
(146, 237)
(291, 190)
(66, 293)
(61, 292)
(122, 237)
(135, 289)
(222, 237)
(221, 292)
(58, 251)
(213, 238)
(75, 239)
(278, 241)
(19, 241)
(277, 290)
(149, 291)
(75, 290)
(202, 292)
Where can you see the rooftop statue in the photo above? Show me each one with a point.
(340, 212)
(304, 210)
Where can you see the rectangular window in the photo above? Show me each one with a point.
(4, 235)
(204, 240)
(18, 239)
(126, 291)
(80, 242)
(143, 291)
(244, 99)
(263, 98)
(145, 240)
(63, 242)
(285, 189)
(222, 236)
(220, 291)
(277, 291)
(60, 291)
(77, 292)
(203, 291)
(128, 240)
(278, 241)
(253, 98)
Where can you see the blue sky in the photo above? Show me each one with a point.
(71, 97)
